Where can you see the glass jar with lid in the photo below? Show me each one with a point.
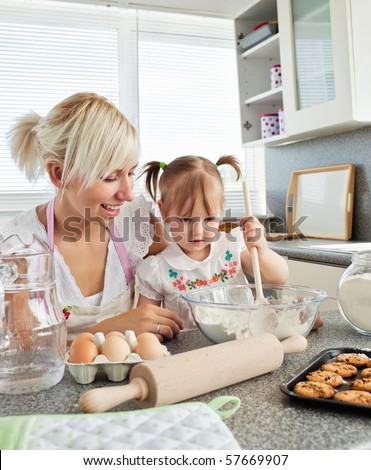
(354, 293)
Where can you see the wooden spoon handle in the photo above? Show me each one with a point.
(257, 276)
(247, 199)
(253, 250)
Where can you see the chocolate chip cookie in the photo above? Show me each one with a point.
(361, 384)
(341, 368)
(314, 389)
(357, 360)
(326, 376)
(354, 396)
(366, 373)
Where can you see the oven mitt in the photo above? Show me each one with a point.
(188, 426)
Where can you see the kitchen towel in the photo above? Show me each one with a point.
(188, 426)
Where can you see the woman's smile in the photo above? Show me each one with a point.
(111, 210)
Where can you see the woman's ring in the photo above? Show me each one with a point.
(158, 329)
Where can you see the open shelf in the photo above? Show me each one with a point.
(268, 97)
(254, 73)
(268, 49)
(277, 139)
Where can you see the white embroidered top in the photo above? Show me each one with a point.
(171, 273)
(133, 223)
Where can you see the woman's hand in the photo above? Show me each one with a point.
(253, 233)
(145, 318)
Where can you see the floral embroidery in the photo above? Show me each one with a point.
(197, 283)
(178, 283)
(67, 311)
(228, 272)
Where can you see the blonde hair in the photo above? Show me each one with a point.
(85, 133)
(185, 179)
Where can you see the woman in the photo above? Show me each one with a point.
(99, 233)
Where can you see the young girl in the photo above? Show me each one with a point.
(90, 152)
(191, 206)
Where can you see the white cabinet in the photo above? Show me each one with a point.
(317, 275)
(322, 46)
(324, 56)
(256, 95)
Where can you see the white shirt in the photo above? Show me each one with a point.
(137, 239)
(171, 273)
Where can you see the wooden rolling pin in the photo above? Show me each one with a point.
(182, 376)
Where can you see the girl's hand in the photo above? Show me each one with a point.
(318, 323)
(253, 233)
(273, 267)
(145, 318)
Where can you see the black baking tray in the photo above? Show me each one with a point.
(325, 356)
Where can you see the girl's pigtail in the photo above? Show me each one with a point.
(152, 171)
(24, 145)
(233, 162)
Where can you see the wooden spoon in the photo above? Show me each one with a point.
(259, 297)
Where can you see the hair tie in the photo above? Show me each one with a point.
(216, 166)
(162, 165)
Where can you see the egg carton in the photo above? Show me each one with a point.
(85, 372)
(115, 371)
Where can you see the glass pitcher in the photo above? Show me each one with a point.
(32, 326)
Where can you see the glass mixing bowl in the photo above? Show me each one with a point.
(229, 312)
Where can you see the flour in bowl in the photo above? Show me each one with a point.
(293, 322)
(221, 325)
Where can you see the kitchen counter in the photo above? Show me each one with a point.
(267, 418)
(299, 249)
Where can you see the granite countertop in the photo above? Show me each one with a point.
(300, 249)
(267, 418)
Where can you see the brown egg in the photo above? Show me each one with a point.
(84, 351)
(149, 347)
(115, 349)
(146, 335)
(115, 333)
(83, 337)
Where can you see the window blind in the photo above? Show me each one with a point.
(173, 75)
(188, 96)
(48, 51)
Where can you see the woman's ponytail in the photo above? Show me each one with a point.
(24, 145)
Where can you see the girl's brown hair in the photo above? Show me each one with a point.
(185, 179)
